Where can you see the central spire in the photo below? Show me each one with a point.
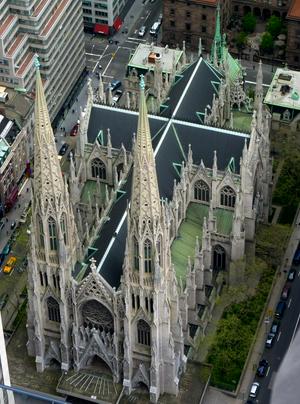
(145, 201)
(48, 179)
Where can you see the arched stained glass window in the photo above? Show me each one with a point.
(201, 191)
(41, 231)
(143, 333)
(228, 197)
(147, 256)
(52, 234)
(98, 169)
(136, 254)
(53, 309)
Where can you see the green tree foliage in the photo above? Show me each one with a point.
(249, 23)
(241, 39)
(274, 26)
(267, 42)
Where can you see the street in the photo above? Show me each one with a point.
(288, 327)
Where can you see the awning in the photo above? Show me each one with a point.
(117, 23)
(101, 29)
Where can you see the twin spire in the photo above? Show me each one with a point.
(145, 200)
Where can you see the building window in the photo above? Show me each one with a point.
(201, 191)
(188, 14)
(228, 197)
(188, 26)
(63, 227)
(98, 169)
(136, 254)
(172, 23)
(41, 279)
(143, 331)
(203, 29)
(158, 250)
(53, 310)
(203, 17)
(41, 231)
(133, 300)
(172, 11)
(52, 234)
(219, 259)
(147, 256)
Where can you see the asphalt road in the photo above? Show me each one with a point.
(288, 327)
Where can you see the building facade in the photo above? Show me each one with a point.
(293, 35)
(190, 20)
(103, 16)
(159, 220)
(48, 29)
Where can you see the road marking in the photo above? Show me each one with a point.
(298, 274)
(289, 303)
(92, 54)
(106, 75)
(293, 336)
(24, 184)
(147, 16)
(268, 370)
(278, 336)
(107, 66)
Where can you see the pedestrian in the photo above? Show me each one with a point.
(19, 206)
(27, 189)
(7, 220)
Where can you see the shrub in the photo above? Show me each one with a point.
(241, 39)
(249, 23)
(274, 26)
(267, 42)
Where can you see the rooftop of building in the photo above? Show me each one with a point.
(294, 10)
(284, 90)
(17, 105)
(145, 56)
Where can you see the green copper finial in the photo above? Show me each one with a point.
(142, 82)
(37, 62)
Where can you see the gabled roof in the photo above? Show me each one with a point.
(172, 132)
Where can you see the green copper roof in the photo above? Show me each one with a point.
(91, 187)
(224, 220)
(184, 245)
(234, 66)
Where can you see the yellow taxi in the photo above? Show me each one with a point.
(9, 265)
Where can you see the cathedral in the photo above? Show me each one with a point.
(130, 248)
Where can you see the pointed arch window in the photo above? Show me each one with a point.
(98, 169)
(53, 310)
(201, 191)
(147, 256)
(136, 254)
(158, 250)
(143, 333)
(41, 231)
(228, 197)
(52, 234)
(63, 226)
(219, 258)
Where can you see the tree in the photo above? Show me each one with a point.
(267, 42)
(274, 26)
(249, 22)
(241, 39)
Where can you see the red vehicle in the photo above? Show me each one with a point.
(75, 129)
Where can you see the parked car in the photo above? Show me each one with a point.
(254, 390)
(9, 265)
(114, 85)
(292, 274)
(296, 259)
(63, 149)
(142, 31)
(155, 28)
(280, 309)
(270, 340)
(262, 368)
(74, 130)
(117, 96)
(275, 327)
(285, 291)
(13, 224)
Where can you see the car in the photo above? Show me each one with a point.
(114, 85)
(285, 291)
(117, 96)
(6, 249)
(142, 31)
(9, 265)
(274, 327)
(3, 300)
(296, 259)
(254, 390)
(1, 224)
(280, 309)
(155, 28)
(13, 224)
(63, 149)
(75, 129)
(270, 340)
(262, 368)
(292, 274)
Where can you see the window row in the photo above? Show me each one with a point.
(135, 302)
(52, 231)
(202, 193)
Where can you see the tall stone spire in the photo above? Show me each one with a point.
(47, 172)
(216, 48)
(145, 200)
(259, 94)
